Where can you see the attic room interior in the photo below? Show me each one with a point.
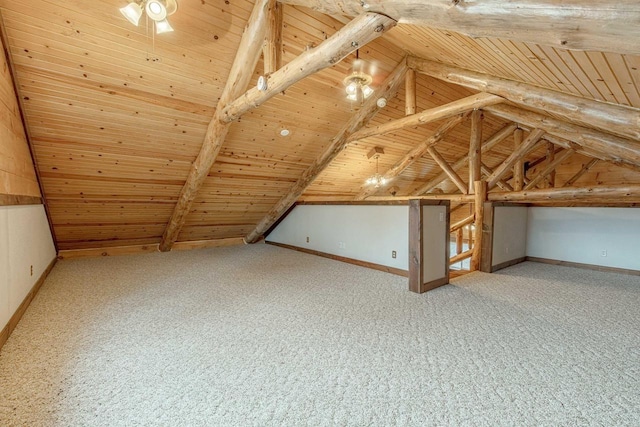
(319, 212)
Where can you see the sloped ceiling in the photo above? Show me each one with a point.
(117, 115)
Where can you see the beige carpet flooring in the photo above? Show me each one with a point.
(265, 336)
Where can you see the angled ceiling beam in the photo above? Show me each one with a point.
(579, 25)
(549, 168)
(231, 106)
(446, 168)
(527, 145)
(581, 172)
(416, 153)
(621, 120)
(609, 147)
(241, 70)
(356, 34)
(494, 140)
(272, 48)
(369, 109)
(479, 100)
(487, 171)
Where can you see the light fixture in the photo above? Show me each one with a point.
(377, 180)
(284, 132)
(381, 102)
(357, 82)
(157, 10)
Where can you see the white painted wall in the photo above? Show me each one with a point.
(369, 232)
(434, 242)
(25, 240)
(509, 233)
(581, 234)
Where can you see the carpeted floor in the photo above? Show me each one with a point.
(265, 336)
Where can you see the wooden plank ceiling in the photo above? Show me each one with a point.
(116, 115)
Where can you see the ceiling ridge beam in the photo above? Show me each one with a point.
(416, 153)
(618, 119)
(471, 102)
(588, 25)
(232, 104)
(369, 109)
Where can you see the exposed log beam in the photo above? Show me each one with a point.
(446, 168)
(610, 147)
(475, 144)
(410, 92)
(550, 180)
(240, 74)
(416, 153)
(494, 140)
(461, 257)
(518, 166)
(468, 220)
(354, 35)
(581, 172)
(526, 146)
(604, 194)
(387, 90)
(579, 25)
(357, 33)
(487, 171)
(272, 49)
(431, 115)
(612, 118)
(549, 168)
(453, 198)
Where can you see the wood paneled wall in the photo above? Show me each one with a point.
(17, 172)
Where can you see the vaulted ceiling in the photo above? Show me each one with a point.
(116, 115)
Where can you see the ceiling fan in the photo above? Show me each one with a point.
(157, 10)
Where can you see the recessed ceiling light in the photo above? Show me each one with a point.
(284, 132)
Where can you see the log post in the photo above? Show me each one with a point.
(480, 191)
(410, 92)
(272, 49)
(494, 140)
(518, 166)
(475, 159)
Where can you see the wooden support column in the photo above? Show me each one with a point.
(494, 140)
(518, 166)
(431, 115)
(617, 119)
(459, 240)
(518, 154)
(272, 49)
(480, 192)
(549, 168)
(428, 244)
(475, 155)
(410, 92)
(416, 153)
(388, 90)
(244, 63)
(486, 262)
(453, 176)
(581, 172)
